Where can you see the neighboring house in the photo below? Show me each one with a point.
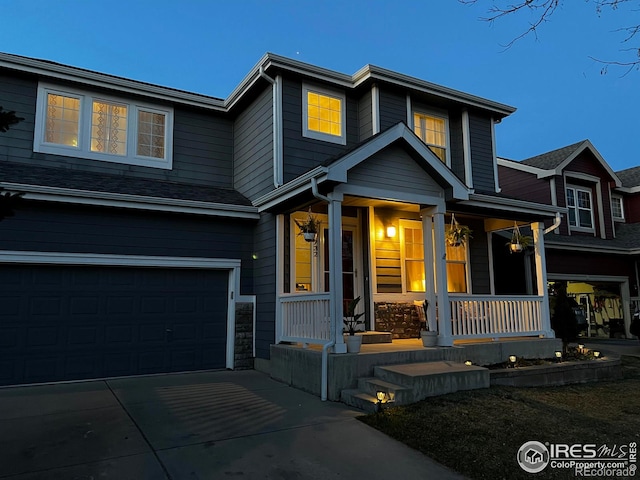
(155, 218)
(597, 246)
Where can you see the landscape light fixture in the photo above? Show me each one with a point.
(559, 356)
(512, 359)
(468, 363)
(581, 347)
(596, 354)
(381, 396)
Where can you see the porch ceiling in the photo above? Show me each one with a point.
(351, 201)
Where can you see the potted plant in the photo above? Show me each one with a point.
(457, 234)
(518, 241)
(309, 227)
(429, 337)
(352, 321)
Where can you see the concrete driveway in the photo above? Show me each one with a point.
(210, 425)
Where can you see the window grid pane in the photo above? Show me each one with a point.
(616, 207)
(324, 114)
(432, 131)
(109, 128)
(62, 120)
(151, 130)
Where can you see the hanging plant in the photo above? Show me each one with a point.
(309, 227)
(518, 241)
(457, 234)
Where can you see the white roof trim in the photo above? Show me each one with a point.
(140, 202)
(503, 162)
(513, 205)
(587, 144)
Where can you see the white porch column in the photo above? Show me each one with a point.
(541, 277)
(335, 269)
(429, 280)
(444, 314)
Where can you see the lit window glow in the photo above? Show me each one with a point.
(432, 131)
(324, 113)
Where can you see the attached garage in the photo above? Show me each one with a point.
(70, 321)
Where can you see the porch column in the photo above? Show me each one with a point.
(335, 269)
(429, 280)
(444, 310)
(541, 277)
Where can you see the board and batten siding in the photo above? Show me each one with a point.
(264, 283)
(46, 227)
(301, 154)
(479, 258)
(456, 145)
(480, 142)
(253, 147)
(202, 141)
(393, 169)
(393, 108)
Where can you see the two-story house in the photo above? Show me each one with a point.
(152, 217)
(596, 247)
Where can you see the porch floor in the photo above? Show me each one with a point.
(301, 367)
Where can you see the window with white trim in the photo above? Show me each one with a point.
(323, 114)
(82, 124)
(432, 130)
(580, 208)
(617, 210)
(412, 253)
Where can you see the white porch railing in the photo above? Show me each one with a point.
(306, 317)
(475, 316)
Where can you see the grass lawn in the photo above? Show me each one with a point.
(478, 433)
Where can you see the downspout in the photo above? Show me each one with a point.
(556, 223)
(324, 381)
(276, 85)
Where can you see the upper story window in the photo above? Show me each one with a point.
(580, 208)
(81, 124)
(617, 210)
(432, 130)
(323, 114)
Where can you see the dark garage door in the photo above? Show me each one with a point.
(67, 323)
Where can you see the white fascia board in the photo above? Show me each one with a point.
(139, 202)
(635, 189)
(111, 260)
(290, 189)
(87, 77)
(539, 172)
(513, 205)
(391, 195)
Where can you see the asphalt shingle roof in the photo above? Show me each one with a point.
(627, 237)
(551, 160)
(13, 172)
(629, 177)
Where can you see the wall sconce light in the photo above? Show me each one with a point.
(391, 231)
(558, 356)
(512, 360)
(468, 363)
(596, 354)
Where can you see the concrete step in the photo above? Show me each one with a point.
(371, 385)
(430, 379)
(359, 399)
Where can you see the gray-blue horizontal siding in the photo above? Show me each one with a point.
(393, 107)
(480, 142)
(264, 283)
(253, 147)
(202, 142)
(302, 154)
(394, 169)
(46, 227)
(365, 118)
(456, 144)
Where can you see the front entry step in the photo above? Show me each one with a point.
(376, 337)
(412, 382)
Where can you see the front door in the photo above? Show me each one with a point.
(351, 259)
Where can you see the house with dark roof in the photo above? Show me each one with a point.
(597, 244)
(161, 230)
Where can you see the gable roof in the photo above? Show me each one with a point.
(336, 169)
(554, 162)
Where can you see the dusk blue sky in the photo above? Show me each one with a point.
(209, 46)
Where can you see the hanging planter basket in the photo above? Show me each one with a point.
(457, 234)
(518, 241)
(310, 236)
(309, 227)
